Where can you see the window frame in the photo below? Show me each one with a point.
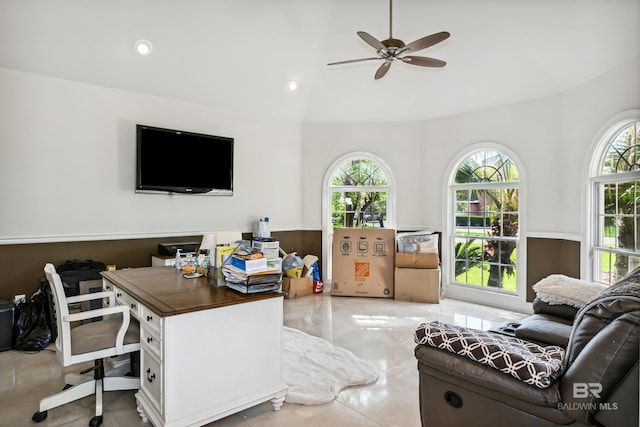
(328, 189)
(594, 232)
(472, 293)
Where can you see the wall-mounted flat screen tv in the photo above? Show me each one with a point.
(175, 161)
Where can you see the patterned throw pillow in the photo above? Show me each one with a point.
(528, 362)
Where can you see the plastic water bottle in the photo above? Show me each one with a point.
(178, 264)
(265, 230)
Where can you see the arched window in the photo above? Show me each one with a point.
(615, 243)
(485, 192)
(357, 193)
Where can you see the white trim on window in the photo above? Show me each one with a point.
(327, 226)
(497, 298)
(599, 146)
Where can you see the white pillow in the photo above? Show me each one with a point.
(560, 289)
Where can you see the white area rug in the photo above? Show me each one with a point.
(316, 371)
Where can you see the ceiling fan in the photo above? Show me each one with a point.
(392, 49)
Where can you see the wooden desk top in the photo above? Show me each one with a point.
(166, 292)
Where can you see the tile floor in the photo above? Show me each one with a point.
(376, 329)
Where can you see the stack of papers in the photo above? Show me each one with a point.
(240, 280)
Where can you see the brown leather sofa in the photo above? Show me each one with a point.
(597, 383)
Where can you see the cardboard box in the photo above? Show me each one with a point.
(297, 287)
(362, 262)
(405, 260)
(417, 284)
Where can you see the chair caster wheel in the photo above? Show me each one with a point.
(39, 416)
(96, 421)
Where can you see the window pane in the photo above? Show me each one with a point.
(359, 208)
(487, 215)
(359, 172)
(463, 202)
(612, 267)
(487, 166)
(617, 221)
(622, 154)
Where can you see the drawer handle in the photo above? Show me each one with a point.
(149, 318)
(151, 377)
(149, 339)
(133, 305)
(118, 294)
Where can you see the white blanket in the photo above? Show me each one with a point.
(560, 289)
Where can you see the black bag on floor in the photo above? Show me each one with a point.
(76, 271)
(33, 329)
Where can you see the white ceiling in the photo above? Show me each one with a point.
(237, 54)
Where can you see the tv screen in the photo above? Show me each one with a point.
(174, 161)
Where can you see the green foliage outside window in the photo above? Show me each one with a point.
(358, 203)
(486, 218)
(620, 200)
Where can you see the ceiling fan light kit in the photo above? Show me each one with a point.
(392, 49)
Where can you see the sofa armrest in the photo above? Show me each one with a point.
(501, 385)
(545, 328)
(524, 360)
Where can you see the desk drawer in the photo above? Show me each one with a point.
(151, 378)
(125, 299)
(150, 341)
(150, 320)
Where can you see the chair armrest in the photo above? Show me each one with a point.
(122, 309)
(92, 296)
(83, 315)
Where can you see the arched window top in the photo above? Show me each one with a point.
(359, 172)
(487, 166)
(623, 152)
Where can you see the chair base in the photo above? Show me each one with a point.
(80, 386)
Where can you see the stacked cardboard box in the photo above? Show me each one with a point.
(362, 262)
(417, 270)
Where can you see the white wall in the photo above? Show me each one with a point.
(67, 165)
(398, 144)
(67, 159)
(552, 136)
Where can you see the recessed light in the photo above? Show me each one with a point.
(292, 85)
(143, 47)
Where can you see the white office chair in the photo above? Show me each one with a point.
(114, 335)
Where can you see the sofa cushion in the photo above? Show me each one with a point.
(564, 311)
(529, 362)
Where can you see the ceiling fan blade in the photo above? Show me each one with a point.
(423, 61)
(382, 70)
(372, 41)
(352, 60)
(425, 42)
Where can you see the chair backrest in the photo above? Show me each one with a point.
(61, 307)
(603, 353)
